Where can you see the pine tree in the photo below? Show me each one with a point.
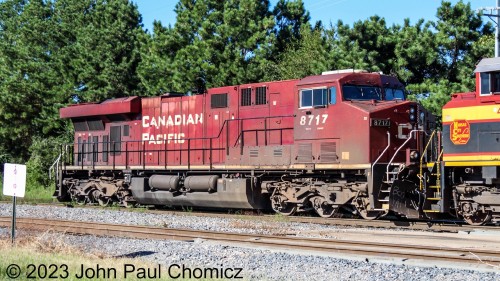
(291, 17)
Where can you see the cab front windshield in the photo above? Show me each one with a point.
(359, 92)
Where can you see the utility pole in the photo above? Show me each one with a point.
(494, 14)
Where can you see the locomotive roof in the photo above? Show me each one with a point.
(488, 65)
(327, 78)
(124, 105)
(322, 78)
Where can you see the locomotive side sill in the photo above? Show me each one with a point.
(220, 167)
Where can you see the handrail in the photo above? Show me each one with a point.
(387, 147)
(425, 155)
(55, 166)
(142, 158)
(397, 151)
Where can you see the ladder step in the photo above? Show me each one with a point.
(434, 198)
(434, 186)
(383, 200)
(385, 191)
(431, 211)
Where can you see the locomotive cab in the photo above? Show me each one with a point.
(358, 124)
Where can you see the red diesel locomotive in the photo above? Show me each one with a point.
(336, 141)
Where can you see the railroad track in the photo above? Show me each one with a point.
(468, 257)
(437, 226)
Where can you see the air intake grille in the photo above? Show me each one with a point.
(218, 100)
(95, 125)
(260, 95)
(254, 153)
(328, 152)
(305, 153)
(278, 152)
(246, 97)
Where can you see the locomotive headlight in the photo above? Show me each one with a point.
(412, 113)
(422, 117)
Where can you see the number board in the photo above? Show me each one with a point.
(380, 122)
(14, 180)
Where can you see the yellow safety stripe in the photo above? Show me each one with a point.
(472, 163)
(472, 113)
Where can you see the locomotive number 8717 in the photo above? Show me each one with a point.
(344, 141)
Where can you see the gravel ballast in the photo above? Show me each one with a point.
(256, 264)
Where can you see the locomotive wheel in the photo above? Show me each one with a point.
(99, 198)
(103, 201)
(479, 218)
(78, 199)
(322, 208)
(362, 205)
(367, 215)
(287, 210)
(129, 204)
(282, 207)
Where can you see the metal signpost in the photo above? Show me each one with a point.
(14, 184)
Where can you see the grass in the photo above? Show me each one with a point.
(48, 254)
(34, 194)
(280, 218)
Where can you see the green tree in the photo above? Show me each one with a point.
(306, 56)
(28, 79)
(107, 49)
(158, 51)
(291, 17)
(462, 39)
(221, 42)
(416, 52)
(57, 52)
(369, 44)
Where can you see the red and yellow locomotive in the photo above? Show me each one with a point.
(336, 141)
(471, 145)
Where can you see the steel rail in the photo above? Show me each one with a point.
(436, 226)
(364, 248)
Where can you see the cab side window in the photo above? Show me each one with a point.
(333, 95)
(490, 83)
(313, 97)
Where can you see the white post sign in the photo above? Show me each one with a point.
(14, 180)
(14, 184)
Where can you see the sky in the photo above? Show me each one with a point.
(349, 11)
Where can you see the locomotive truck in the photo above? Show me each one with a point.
(343, 141)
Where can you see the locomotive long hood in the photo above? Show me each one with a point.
(109, 107)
